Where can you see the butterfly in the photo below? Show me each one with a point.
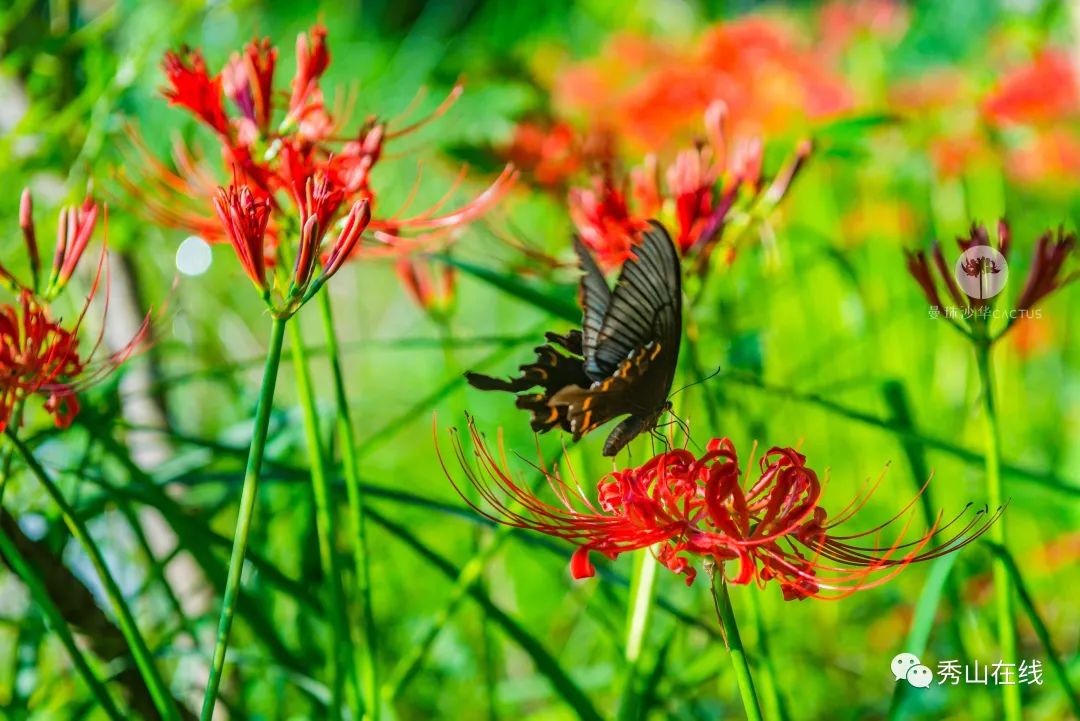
(622, 360)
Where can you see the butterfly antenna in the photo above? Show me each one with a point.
(698, 382)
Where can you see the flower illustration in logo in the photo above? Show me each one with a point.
(981, 272)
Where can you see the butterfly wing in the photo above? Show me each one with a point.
(594, 296)
(645, 307)
(551, 371)
(636, 348)
(587, 408)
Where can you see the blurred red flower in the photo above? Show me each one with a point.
(1046, 89)
(698, 191)
(40, 357)
(688, 508)
(646, 92)
(74, 230)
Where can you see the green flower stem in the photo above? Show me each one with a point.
(1006, 623)
(56, 623)
(346, 437)
(243, 520)
(163, 700)
(735, 647)
(325, 525)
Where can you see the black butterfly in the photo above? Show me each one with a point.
(621, 362)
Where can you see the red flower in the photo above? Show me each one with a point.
(434, 295)
(249, 83)
(603, 220)
(312, 59)
(703, 186)
(244, 216)
(647, 92)
(1047, 89)
(689, 508)
(345, 244)
(37, 356)
(191, 86)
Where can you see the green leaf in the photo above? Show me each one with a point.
(1041, 631)
(560, 304)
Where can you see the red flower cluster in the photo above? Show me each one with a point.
(647, 92)
(271, 147)
(244, 217)
(1045, 90)
(686, 507)
(38, 355)
(703, 185)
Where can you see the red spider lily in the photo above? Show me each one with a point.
(244, 214)
(40, 357)
(647, 92)
(73, 232)
(704, 185)
(343, 247)
(191, 86)
(434, 295)
(304, 145)
(312, 59)
(689, 508)
(602, 217)
(37, 356)
(935, 276)
(248, 81)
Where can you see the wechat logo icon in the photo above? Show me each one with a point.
(907, 667)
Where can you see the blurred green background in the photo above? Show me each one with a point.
(823, 339)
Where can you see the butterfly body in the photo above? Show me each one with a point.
(621, 362)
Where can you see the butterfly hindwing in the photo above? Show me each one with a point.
(551, 371)
(591, 407)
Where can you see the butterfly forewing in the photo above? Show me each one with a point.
(594, 297)
(646, 306)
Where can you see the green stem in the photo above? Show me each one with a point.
(735, 647)
(56, 623)
(324, 521)
(243, 520)
(346, 436)
(1006, 623)
(163, 700)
